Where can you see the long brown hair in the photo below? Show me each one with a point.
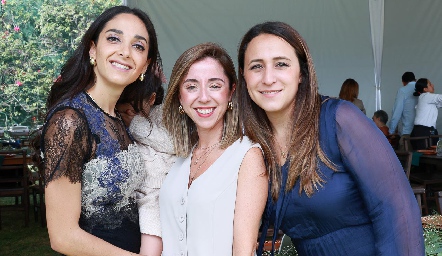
(304, 148)
(180, 126)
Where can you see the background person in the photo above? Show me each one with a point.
(380, 118)
(334, 190)
(213, 197)
(350, 92)
(92, 167)
(404, 109)
(426, 112)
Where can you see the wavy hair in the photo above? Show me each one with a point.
(180, 126)
(77, 74)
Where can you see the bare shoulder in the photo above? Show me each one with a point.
(253, 161)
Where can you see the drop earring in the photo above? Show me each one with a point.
(181, 109)
(142, 77)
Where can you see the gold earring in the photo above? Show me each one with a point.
(230, 105)
(92, 61)
(181, 109)
(142, 77)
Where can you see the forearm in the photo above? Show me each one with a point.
(79, 242)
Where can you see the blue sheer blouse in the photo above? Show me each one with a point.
(365, 207)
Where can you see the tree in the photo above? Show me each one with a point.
(37, 37)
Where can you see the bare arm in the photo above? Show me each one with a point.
(63, 207)
(251, 197)
(151, 245)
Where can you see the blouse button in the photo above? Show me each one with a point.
(181, 218)
(182, 253)
(182, 200)
(181, 237)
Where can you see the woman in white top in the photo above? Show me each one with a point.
(426, 112)
(212, 200)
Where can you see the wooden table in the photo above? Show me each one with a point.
(432, 160)
(16, 160)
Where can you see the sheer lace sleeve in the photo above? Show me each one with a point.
(370, 159)
(66, 145)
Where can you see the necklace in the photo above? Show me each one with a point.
(117, 114)
(284, 153)
(206, 155)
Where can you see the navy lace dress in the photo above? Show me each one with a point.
(82, 142)
(366, 207)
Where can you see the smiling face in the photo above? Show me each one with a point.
(121, 51)
(272, 73)
(204, 94)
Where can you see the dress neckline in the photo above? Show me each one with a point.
(91, 100)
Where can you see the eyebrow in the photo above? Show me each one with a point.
(210, 80)
(121, 33)
(274, 58)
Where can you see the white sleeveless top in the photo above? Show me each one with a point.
(199, 221)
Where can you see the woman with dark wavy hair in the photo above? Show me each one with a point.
(333, 189)
(92, 167)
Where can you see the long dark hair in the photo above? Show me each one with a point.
(304, 148)
(77, 74)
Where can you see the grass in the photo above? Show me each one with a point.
(16, 239)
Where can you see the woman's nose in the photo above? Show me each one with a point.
(268, 77)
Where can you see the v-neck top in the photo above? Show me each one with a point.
(198, 221)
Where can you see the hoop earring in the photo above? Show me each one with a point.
(230, 105)
(92, 62)
(142, 77)
(181, 109)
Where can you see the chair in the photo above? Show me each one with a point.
(419, 191)
(424, 141)
(14, 183)
(37, 189)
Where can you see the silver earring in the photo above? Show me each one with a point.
(181, 109)
(142, 77)
(92, 61)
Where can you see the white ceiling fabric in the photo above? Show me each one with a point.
(338, 33)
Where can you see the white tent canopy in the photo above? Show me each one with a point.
(371, 41)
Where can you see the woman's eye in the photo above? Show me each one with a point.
(139, 47)
(113, 39)
(190, 87)
(282, 64)
(215, 86)
(256, 66)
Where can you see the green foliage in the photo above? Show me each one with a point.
(36, 38)
(433, 241)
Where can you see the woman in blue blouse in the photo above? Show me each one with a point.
(92, 167)
(336, 185)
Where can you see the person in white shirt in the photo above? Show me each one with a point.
(426, 112)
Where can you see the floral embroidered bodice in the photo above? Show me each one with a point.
(85, 144)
